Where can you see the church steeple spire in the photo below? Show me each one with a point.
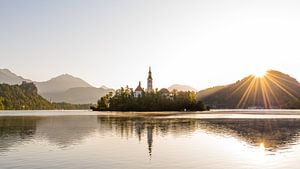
(150, 73)
(149, 81)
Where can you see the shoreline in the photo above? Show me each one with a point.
(226, 113)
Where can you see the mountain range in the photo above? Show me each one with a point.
(273, 90)
(64, 88)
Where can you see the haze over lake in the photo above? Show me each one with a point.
(79, 139)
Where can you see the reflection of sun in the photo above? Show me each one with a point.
(262, 148)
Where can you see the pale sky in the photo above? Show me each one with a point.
(113, 42)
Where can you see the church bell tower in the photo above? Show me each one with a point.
(149, 81)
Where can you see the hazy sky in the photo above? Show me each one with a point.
(112, 42)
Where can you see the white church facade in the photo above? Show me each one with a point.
(139, 90)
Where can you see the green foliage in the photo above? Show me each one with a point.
(124, 100)
(25, 97)
(22, 97)
(1, 103)
(68, 106)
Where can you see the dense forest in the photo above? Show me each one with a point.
(163, 100)
(25, 97)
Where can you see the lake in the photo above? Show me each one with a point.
(233, 139)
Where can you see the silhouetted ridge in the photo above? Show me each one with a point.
(61, 84)
(274, 90)
(8, 77)
(183, 88)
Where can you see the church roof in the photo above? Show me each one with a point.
(139, 88)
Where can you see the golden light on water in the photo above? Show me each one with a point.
(262, 147)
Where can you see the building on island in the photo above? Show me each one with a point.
(149, 81)
(139, 90)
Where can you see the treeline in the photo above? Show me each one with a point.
(163, 100)
(25, 97)
(68, 106)
(294, 104)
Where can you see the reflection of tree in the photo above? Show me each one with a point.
(146, 127)
(14, 130)
(64, 131)
(274, 133)
(69, 130)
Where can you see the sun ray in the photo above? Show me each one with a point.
(246, 94)
(241, 86)
(280, 86)
(265, 93)
(255, 92)
(278, 77)
(272, 92)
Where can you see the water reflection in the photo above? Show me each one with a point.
(15, 130)
(65, 131)
(268, 135)
(262, 148)
(62, 131)
(273, 134)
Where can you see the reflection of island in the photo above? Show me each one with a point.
(275, 134)
(64, 131)
(146, 127)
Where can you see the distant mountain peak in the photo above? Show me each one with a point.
(6, 76)
(104, 87)
(63, 77)
(6, 70)
(180, 87)
(61, 83)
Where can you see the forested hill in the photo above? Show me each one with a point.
(273, 90)
(25, 97)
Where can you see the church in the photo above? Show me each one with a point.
(139, 90)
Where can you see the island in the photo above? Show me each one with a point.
(127, 99)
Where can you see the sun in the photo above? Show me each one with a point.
(260, 73)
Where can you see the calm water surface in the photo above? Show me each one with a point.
(115, 140)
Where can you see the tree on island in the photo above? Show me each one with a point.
(1, 103)
(163, 100)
